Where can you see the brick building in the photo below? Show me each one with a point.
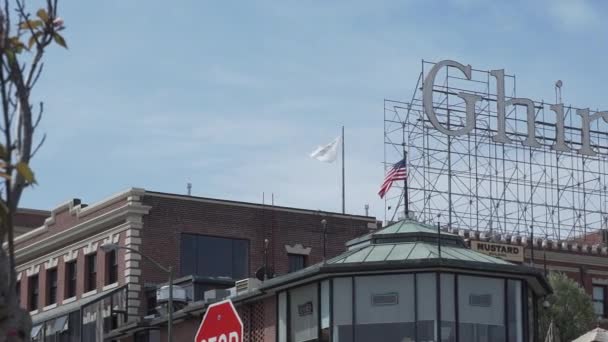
(29, 219)
(395, 284)
(583, 258)
(74, 290)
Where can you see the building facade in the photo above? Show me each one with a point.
(77, 291)
(401, 283)
(583, 258)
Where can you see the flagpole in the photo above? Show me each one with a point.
(343, 189)
(405, 192)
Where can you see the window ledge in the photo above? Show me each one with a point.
(90, 293)
(110, 286)
(34, 312)
(49, 307)
(69, 300)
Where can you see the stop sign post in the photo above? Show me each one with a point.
(221, 323)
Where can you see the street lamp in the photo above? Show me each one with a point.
(114, 247)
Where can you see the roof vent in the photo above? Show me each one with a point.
(179, 294)
(216, 295)
(246, 285)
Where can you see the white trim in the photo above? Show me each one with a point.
(90, 248)
(32, 270)
(131, 264)
(110, 286)
(52, 263)
(132, 256)
(88, 294)
(131, 279)
(133, 240)
(69, 300)
(73, 248)
(47, 308)
(34, 312)
(132, 272)
(298, 249)
(19, 275)
(71, 255)
(78, 231)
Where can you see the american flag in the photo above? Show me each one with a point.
(397, 172)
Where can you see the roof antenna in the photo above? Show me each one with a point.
(367, 210)
(558, 91)
(189, 188)
(324, 224)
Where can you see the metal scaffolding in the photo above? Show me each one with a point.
(472, 182)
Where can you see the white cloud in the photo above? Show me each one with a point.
(573, 15)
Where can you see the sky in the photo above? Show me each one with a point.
(233, 96)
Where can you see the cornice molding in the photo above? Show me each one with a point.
(73, 249)
(76, 208)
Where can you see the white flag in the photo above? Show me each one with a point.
(327, 153)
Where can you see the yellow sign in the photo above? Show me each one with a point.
(499, 250)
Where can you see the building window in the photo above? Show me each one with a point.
(296, 262)
(209, 256)
(599, 300)
(303, 313)
(481, 309)
(51, 286)
(91, 272)
(33, 292)
(111, 267)
(70, 279)
(384, 306)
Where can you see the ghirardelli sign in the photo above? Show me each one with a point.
(587, 118)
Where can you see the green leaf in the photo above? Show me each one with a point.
(10, 55)
(59, 40)
(17, 44)
(33, 24)
(24, 170)
(43, 15)
(32, 40)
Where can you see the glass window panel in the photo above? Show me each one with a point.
(426, 288)
(188, 258)
(325, 311)
(210, 256)
(283, 317)
(296, 262)
(214, 257)
(401, 251)
(514, 307)
(598, 292)
(343, 310)
(481, 309)
(304, 313)
(384, 308)
(379, 253)
(598, 307)
(325, 304)
(358, 256)
(448, 308)
(240, 259)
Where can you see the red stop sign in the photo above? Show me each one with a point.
(221, 323)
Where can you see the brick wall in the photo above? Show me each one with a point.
(172, 215)
(61, 274)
